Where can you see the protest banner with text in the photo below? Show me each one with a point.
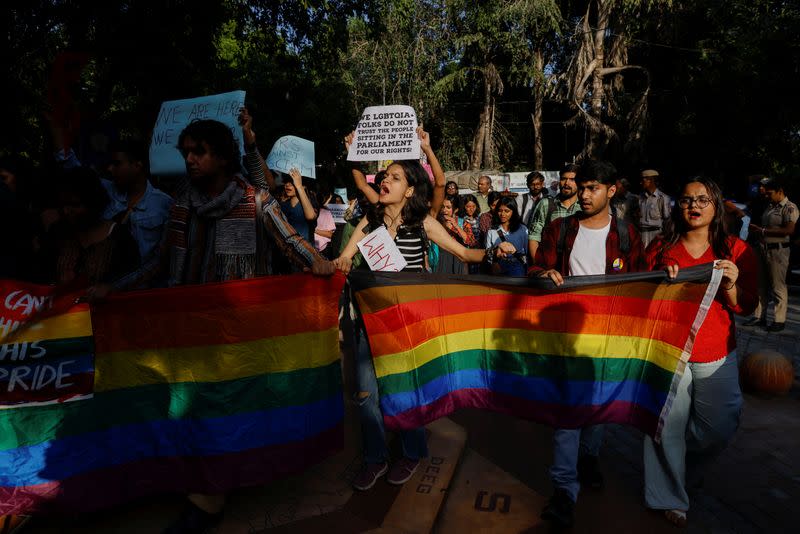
(385, 132)
(46, 349)
(175, 115)
(290, 152)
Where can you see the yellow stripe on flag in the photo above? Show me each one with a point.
(659, 353)
(216, 363)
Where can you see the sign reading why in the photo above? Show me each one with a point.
(290, 152)
(175, 115)
(46, 349)
(385, 132)
(381, 252)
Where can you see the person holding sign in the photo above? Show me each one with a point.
(218, 231)
(297, 206)
(438, 174)
(403, 211)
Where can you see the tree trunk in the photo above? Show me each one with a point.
(484, 128)
(596, 141)
(536, 116)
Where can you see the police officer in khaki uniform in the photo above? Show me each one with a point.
(654, 207)
(777, 226)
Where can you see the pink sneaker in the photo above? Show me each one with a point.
(402, 470)
(369, 475)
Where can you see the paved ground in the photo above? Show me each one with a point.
(495, 467)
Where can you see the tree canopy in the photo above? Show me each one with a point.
(688, 87)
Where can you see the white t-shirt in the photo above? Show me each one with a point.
(588, 254)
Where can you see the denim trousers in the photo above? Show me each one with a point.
(373, 434)
(568, 444)
(704, 417)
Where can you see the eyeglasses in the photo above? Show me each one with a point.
(700, 202)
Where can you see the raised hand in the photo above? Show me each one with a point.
(246, 122)
(424, 139)
(297, 179)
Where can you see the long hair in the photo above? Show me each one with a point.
(416, 208)
(471, 198)
(676, 227)
(455, 202)
(515, 221)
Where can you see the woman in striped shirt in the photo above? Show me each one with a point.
(403, 208)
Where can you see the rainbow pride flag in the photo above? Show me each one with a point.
(599, 349)
(195, 389)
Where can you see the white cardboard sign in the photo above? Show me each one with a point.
(381, 252)
(385, 132)
(337, 210)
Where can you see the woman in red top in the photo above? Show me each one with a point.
(706, 408)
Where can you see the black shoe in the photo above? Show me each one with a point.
(775, 327)
(589, 474)
(755, 321)
(193, 520)
(559, 509)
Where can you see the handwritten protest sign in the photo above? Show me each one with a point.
(290, 152)
(385, 132)
(381, 252)
(46, 349)
(175, 115)
(337, 210)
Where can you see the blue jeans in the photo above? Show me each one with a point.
(703, 418)
(366, 396)
(567, 446)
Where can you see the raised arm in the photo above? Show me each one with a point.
(308, 210)
(260, 175)
(438, 174)
(358, 176)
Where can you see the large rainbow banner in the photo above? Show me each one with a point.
(599, 349)
(192, 389)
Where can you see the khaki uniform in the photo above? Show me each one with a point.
(775, 260)
(654, 209)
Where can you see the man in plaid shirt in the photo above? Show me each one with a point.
(550, 209)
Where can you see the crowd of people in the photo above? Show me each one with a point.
(230, 219)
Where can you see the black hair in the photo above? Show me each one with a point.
(599, 171)
(492, 197)
(570, 167)
(84, 183)
(535, 175)
(515, 221)
(218, 137)
(134, 150)
(675, 227)
(379, 176)
(455, 202)
(416, 208)
(448, 185)
(471, 198)
(775, 184)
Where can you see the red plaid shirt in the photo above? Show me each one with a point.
(547, 256)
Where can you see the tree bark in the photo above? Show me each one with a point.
(598, 92)
(479, 141)
(536, 116)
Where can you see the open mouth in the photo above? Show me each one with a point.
(695, 215)
(384, 190)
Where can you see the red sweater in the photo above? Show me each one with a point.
(717, 337)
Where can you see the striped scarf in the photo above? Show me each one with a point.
(213, 239)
